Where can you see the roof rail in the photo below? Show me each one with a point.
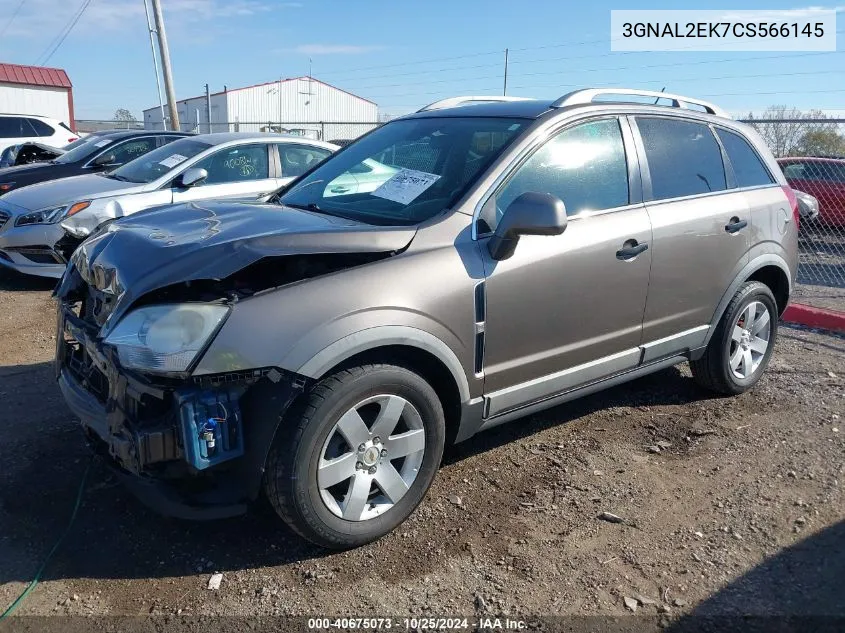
(453, 102)
(588, 95)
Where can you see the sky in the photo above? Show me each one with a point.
(402, 55)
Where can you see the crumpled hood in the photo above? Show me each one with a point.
(188, 242)
(53, 193)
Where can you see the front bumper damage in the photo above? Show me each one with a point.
(187, 447)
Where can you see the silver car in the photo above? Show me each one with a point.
(323, 348)
(41, 225)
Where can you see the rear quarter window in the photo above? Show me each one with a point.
(749, 170)
(683, 157)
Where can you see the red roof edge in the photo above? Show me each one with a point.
(34, 76)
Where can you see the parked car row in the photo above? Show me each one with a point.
(48, 208)
(454, 269)
(823, 178)
(18, 128)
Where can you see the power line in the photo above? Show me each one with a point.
(12, 19)
(63, 34)
(571, 70)
(512, 50)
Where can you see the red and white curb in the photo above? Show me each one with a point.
(815, 317)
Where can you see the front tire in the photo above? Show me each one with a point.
(358, 457)
(742, 344)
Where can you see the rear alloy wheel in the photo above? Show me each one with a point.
(750, 340)
(742, 344)
(358, 456)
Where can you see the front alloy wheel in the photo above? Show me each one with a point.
(371, 457)
(357, 456)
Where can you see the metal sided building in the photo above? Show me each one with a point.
(36, 90)
(301, 105)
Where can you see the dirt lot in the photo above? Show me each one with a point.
(741, 511)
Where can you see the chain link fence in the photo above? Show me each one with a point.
(811, 153)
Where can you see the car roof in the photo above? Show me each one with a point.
(31, 116)
(218, 138)
(120, 134)
(524, 109)
(813, 159)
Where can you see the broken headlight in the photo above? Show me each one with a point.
(53, 214)
(165, 338)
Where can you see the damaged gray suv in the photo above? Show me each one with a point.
(454, 269)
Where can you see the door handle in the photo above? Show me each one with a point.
(339, 189)
(630, 250)
(735, 225)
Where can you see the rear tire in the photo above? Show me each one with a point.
(357, 456)
(742, 344)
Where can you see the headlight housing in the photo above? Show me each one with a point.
(165, 338)
(52, 215)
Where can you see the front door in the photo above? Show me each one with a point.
(241, 172)
(567, 310)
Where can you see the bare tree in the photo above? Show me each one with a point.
(789, 131)
(783, 132)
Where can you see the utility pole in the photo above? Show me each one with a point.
(208, 107)
(155, 64)
(505, 88)
(165, 65)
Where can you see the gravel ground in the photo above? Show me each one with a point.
(820, 296)
(741, 510)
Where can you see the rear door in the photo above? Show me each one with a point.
(242, 172)
(566, 310)
(701, 227)
(295, 159)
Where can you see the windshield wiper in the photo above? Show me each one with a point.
(311, 206)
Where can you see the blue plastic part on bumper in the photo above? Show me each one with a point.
(211, 426)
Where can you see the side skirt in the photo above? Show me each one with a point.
(471, 424)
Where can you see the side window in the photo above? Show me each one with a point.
(684, 158)
(236, 164)
(297, 159)
(748, 168)
(130, 150)
(40, 128)
(10, 127)
(584, 166)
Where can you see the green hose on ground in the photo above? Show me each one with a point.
(41, 569)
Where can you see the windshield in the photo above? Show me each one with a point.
(89, 146)
(160, 161)
(406, 171)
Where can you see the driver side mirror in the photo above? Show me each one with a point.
(531, 213)
(190, 177)
(105, 160)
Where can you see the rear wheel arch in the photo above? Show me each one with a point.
(777, 280)
(768, 269)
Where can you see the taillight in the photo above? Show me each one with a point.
(793, 202)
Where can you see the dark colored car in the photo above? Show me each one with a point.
(822, 178)
(31, 152)
(97, 152)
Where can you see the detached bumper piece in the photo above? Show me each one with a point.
(178, 445)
